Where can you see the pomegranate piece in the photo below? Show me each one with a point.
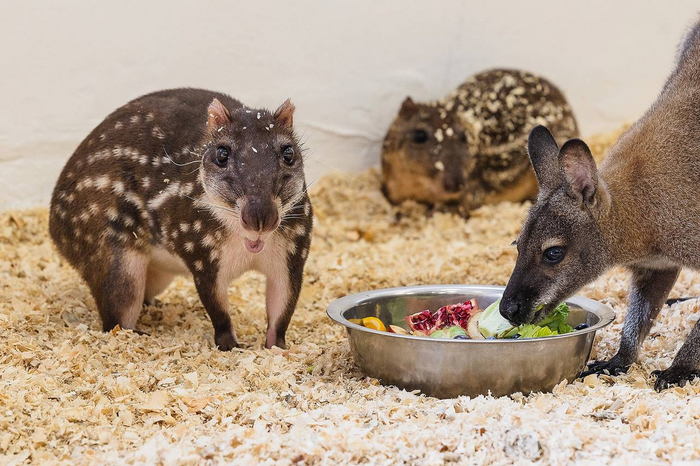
(421, 322)
(447, 316)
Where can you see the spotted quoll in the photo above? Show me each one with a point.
(469, 148)
(186, 181)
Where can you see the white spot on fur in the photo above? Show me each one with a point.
(299, 230)
(149, 117)
(102, 137)
(143, 160)
(118, 125)
(101, 182)
(156, 132)
(164, 195)
(112, 214)
(189, 246)
(254, 150)
(135, 119)
(197, 226)
(145, 182)
(118, 187)
(184, 227)
(208, 241)
(307, 209)
(198, 266)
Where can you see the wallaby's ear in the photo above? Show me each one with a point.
(579, 171)
(284, 115)
(408, 108)
(543, 151)
(217, 115)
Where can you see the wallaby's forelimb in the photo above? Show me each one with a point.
(648, 292)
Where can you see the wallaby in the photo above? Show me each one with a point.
(640, 210)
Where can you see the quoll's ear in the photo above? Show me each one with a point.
(408, 108)
(543, 151)
(284, 115)
(218, 115)
(579, 171)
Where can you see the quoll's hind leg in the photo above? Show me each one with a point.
(685, 366)
(120, 291)
(648, 291)
(213, 292)
(156, 282)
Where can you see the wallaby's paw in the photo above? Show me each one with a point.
(673, 376)
(612, 367)
(155, 302)
(225, 341)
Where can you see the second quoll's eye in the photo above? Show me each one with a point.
(554, 255)
(222, 155)
(288, 155)
(420, 136)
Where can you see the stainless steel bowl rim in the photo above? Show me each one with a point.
(336, 308)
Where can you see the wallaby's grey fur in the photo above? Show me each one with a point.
(640, 210)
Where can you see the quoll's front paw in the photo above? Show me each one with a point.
(612, 367)
(673, 376)
(226, 341)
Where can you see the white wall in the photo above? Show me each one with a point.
(347, 66)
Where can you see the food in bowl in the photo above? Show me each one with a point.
(463, 321)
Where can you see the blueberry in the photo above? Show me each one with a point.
(581, 326)
(461, 337)
(491, 338)
(516, 336)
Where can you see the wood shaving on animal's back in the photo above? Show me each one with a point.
(72, 394)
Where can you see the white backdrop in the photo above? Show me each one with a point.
(346, 65)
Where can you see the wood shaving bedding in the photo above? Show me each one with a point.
(72, 394)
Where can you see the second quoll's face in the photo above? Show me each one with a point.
(425, 156)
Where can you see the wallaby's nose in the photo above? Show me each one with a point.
(259, 216)
(509, 309)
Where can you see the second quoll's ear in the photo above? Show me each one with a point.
(580, 172)
(284, 115)
(217, 115)
(543, 151)
(408, 108)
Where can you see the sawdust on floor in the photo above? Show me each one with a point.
(72, 394)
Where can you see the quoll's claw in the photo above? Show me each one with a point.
(611, 367)
(673, 376)
(225, 341)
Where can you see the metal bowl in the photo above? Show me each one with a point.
(448, 368)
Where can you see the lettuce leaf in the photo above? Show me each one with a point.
(492, 323)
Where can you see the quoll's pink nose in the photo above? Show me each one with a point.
(259, 217)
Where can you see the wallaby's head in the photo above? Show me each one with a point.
(560, 247)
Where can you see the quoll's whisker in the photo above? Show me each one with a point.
(178, 164)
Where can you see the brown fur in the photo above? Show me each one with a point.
(640, 210)
(468, 149)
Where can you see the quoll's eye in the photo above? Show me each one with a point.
(554, 255)
(221, 157)
(288, 155)
(420, 136)
(462, 137)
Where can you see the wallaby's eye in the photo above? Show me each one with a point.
(420, 136)
(288, 155)
(554, 255)
(221, 157)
